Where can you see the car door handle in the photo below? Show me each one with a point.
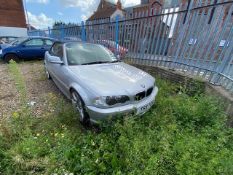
(43, 48)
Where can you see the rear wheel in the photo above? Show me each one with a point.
(10, 57)
(80, 107)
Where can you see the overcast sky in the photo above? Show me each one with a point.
(43, 13)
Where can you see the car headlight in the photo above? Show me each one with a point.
(0, 51)
(110, 100)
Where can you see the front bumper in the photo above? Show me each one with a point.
(98, 114)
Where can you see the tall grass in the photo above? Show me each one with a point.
(181, 134)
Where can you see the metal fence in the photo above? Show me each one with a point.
(195, 37)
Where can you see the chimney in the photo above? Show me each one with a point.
(119, 5)
(184, 4)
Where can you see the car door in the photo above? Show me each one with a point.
(59, 72)
(32, 48)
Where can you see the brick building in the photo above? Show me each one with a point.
(12, 18)
(146, 8)
(143, 44)
(107, 11)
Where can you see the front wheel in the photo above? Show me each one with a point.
(10, 57)
(80, 107)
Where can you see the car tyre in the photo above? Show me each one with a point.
(80, 107)
(10, 57)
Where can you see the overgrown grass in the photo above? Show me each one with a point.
(181, 134)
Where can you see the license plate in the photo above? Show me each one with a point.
(141, 110)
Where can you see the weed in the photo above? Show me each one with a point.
(181, 134)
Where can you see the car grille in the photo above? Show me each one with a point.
(114, 100)
(149, 91)
(141, 95)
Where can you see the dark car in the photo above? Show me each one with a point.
(26, 48)
(115, 48)
(7, 39)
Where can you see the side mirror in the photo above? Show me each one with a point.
(55, 60)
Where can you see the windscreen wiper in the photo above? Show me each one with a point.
(116, 61)
(96, 62)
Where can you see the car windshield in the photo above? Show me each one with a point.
(18, 41)
(84, 54)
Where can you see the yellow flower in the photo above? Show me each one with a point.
(38, 134)
(15, 115)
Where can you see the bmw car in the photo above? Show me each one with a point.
(97, 83)
(27, 48)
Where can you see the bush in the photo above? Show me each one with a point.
(181, 134)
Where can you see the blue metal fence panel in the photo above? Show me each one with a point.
(117, 33)
(83, 32)
(194, 37)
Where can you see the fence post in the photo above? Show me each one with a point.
(62, 32)
(49, 30)
(83, 32)
(117, 33)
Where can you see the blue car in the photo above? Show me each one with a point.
(27, 48)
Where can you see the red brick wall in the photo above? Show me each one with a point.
(12, 13)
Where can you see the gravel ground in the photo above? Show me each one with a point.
(37, 85)
(9, 98)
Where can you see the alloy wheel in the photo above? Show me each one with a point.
(77, 103)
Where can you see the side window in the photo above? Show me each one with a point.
(57, 50)
(34, 42)
(48, 42)
(11, 39)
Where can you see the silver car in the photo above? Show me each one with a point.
(97, 83)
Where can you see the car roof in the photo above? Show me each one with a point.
(9, 37)
(39, 37)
